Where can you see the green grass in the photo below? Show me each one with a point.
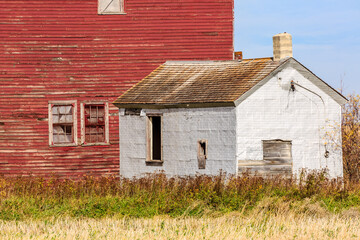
(153, 195)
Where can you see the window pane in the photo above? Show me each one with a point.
(61, 139)
(58, 138)
(93, 112)
(55, 138)
(62, 109)
(58, 130)
(68, 110)
(55, 119)
(87, 110)
(68, 138)
(69, 118)
(62, 134)
(101, 111)
(55, 110)
(62, 119)
(93, 130)
(87, 138)
(101, 137)
(94, 123)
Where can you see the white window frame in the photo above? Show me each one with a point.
(102, 12)
(51, 125)
(82, 118)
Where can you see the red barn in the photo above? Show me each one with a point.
(62, 63)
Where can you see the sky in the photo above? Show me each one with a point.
(325, 33)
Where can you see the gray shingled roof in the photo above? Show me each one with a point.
(212, 83)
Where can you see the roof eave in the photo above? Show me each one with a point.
(178, 105)
(337, 96)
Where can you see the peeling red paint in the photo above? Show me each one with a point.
(63, 50)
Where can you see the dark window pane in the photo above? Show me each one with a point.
(94, 123)
(156, 138)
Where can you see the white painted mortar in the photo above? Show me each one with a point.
(181, 129)
(276, 112)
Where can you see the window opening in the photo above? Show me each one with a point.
(62, 123)
(277, 151)
(202, 153)
(154, 138)
(94, 123)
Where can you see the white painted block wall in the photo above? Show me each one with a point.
(275, 112)
(181, 129)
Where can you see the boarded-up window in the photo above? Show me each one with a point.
(154, 138)
(62, 123)
(110, 6)
(133, 111)
(277, 151)
(94, 123)
(202, 153)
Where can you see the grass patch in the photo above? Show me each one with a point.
(38, 198)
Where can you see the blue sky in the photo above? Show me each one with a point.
(326, 35)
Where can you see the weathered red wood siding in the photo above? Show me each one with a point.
(63, 50)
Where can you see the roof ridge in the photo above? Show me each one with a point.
(201, 62)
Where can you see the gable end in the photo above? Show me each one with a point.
(306, 73)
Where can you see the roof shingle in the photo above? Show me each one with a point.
(197, 83)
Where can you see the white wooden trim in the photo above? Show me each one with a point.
(82, 122)
(68, 102)
(75, 123)
(50, 124)
(106, 115)
(60, 102)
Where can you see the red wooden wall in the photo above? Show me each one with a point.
(63, 50)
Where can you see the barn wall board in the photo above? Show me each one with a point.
(63, 50)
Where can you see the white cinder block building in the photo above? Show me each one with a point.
(268, 115)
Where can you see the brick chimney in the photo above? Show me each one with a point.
(282, 43)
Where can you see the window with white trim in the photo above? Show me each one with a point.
(110, 7)
(94, 123)
(62, 123)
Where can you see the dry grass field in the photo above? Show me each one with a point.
(264, 222)
(229, 226)
(200, 207)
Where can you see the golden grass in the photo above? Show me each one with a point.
(262, 223)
